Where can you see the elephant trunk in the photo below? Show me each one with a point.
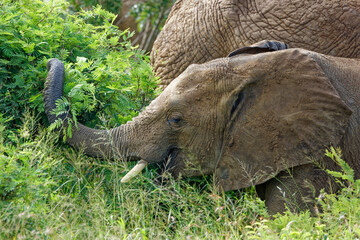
(99, 143)
(54, 88)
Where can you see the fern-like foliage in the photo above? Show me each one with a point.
(63, 108)
(105, 75)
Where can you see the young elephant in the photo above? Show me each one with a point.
(202, 30)
(249, 119)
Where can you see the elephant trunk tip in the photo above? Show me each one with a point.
(53, 62)
(53, 86)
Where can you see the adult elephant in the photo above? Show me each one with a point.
(249, 119)
(199, 31)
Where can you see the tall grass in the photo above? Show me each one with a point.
(50, 191)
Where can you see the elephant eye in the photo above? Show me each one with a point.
(174, 121)
(239, 99)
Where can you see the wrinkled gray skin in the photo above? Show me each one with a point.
(202, 30)
(248, 120)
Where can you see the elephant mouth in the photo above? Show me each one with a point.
(167, 165)
(169, 162)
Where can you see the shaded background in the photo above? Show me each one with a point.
(143, 17)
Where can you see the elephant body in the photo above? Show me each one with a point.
(249, 119)
(199, 31)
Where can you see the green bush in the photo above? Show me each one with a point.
(106, 77)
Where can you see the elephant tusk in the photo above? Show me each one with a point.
(135, 171)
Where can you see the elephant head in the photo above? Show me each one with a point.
(244, 119)
(199, 31)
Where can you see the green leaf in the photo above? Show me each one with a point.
(34, 97)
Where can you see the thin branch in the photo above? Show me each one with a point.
(45, 16)
(151, 37)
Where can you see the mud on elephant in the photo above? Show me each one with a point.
(249, 119)
(199, 31)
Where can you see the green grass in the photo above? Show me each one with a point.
(50, 191)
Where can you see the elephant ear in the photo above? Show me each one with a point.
(260, 47)
(285, 116)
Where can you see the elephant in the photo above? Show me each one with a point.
(257, 118)
(199, 31)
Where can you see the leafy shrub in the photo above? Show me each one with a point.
(105, 76)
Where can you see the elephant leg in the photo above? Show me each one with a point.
(260, 190)
(297, 189)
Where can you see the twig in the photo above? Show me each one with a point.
(45, 16)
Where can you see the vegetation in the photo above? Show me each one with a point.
(50, 191)
(103, 70)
